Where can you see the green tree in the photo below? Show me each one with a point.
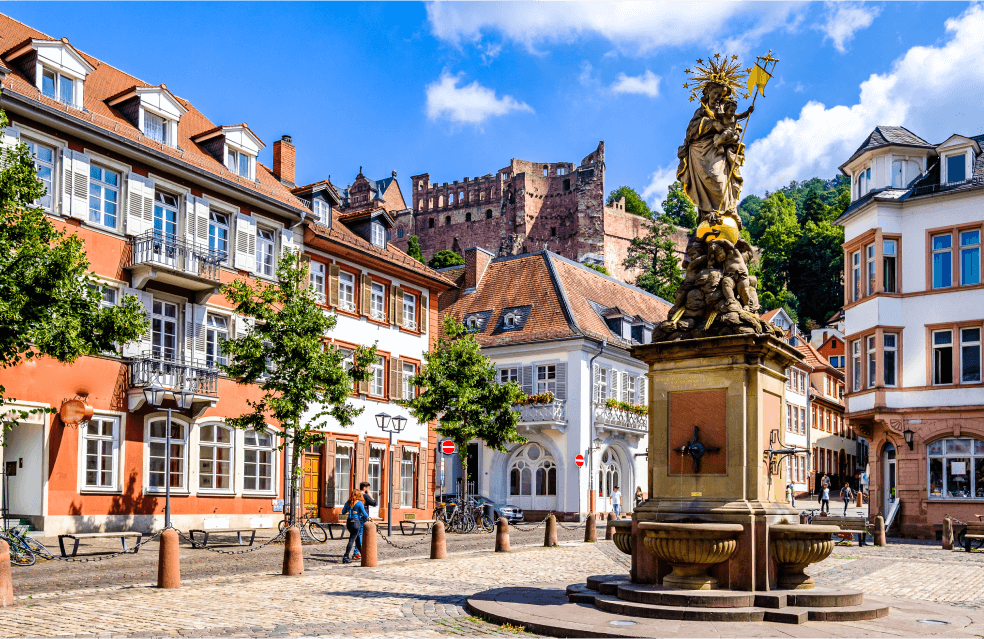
(413, 248)
(598, 267)
(816, 266)
(777, 243)
(49, 300)
(678, 207)
(633, 201)
(445, 258)
(814, 210)
(462, 393)
(304, 381)
(655, 254)
(748, 209)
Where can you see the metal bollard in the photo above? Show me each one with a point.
(590, 528)
(369, 545)
(880, 531)
(293, 552)
(169, 560)
(502, 535)
(610, 530)
(6, 581)
(550, 532)
(439, 547)
(947, 533)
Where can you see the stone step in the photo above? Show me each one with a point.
(580, 593)
(814, 598)
(662, 596)
(594, 582)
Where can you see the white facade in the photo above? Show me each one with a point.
(797, 427)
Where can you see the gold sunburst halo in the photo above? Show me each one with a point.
(728, 73)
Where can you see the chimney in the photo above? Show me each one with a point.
(283, 160)
(476, 261)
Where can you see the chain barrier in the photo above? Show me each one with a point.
(198, 545)
(386, 538)
(530, 528)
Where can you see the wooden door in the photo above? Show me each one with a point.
(310, 483)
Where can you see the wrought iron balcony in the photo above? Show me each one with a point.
(612, 416)
(167, 258)
(409, 324)
(553, 412)
(176, 374)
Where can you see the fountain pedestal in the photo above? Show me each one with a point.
(732, 389)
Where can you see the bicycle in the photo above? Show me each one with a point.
(307, 522)
(24, 551)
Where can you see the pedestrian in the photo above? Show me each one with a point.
(824, 483)
(847, 495)
(790, 491)
(369, 502)
(357, 516)
(825, 501)
(617, 502)
(638, 497)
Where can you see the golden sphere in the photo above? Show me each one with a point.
(727, 229)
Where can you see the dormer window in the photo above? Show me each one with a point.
(238, 163)
(378, 237)
(155, 128)
(153, 110)
(234, 146)
(863, 181)
(55, 67)
(58, 86)
(322, 211)
(956, 168)
(509, 321)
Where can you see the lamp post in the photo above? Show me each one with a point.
(595, 445)
(390, 425)
(154, 395)
(907, 434)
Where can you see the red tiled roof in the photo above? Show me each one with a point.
(813, 357)
(106, 82)
(767, 316)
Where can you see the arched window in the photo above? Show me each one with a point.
(259, 459)
(468, 217)
(420, 186)
(440, 200)
(160, 464)
(215, 457)
(545, 169)
(609, 473)
(447, 220)
(488, 214)
(529, 464)
(956, 468)
(430, 223)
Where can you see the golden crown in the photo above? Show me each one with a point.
(727, 72)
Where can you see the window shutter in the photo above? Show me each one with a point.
(392, 304)
(596, 384)
(422, 478)
(398, 306)
(329, 497)
(364, 387)
(9, 142)
(562, 380)
(75, 184)
(143, 344)
(613, 379)
(147, 203)
(423, 315)
(201, 221)
(641, 385)
(625, 387)
(396, 381)
(189, 224)
(527, 379)
(66, 181)
(333, 285)
(286, 240)
(199, 345)
(366, 294)
(360, 464)
(245, 259)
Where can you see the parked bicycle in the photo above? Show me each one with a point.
(24, 549)
(307, 522)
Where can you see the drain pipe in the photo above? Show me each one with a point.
(591, 489)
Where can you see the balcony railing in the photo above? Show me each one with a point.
(409, 324)
(164, 249)
(555, 411)
(178, 373)
(618, 417)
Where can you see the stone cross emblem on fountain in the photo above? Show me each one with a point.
(696, 449)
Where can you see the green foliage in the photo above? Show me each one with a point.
(444, 259)
(678, 207)
(633, 201)
(49, 301)
(305, 382)
(413, 248)
(777, 240)
(654, 253)
(598, 267)
(815, 270)
(748, 209)
(783, 299)
(814, 210)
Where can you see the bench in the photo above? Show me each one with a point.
(854, 525)
(218, 531)
(411, 518)
(973, 533)
(342, 520)
(98, 535)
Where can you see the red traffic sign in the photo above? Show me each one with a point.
(447, 447)
(579, 460)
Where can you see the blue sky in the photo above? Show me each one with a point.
(457, 89)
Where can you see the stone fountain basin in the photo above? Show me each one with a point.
(691, 549)
(622, 535)
(796, 546)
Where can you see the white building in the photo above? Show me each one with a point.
(914, 315)
(556, 326)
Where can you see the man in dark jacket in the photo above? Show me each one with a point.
(364, 488)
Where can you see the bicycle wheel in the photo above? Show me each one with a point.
(20, 555)
(282, 525)
(36, 547)
(468, 522)
(316, 532)
(486, 524)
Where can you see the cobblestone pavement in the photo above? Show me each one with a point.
(403, 596)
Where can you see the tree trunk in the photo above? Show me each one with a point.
(294, 461)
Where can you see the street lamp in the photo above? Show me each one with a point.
(390, 425)
(154, 395)
(907, 433)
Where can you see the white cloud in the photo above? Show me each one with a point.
(844, 20)
(645, 84)
(933, 91)
(469, 104)
(659, 184)
(634, 28)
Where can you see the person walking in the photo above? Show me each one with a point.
(617, 502)
(847, 495)
(638, 497)
(369, 502)
(357, 516)
(824, 483)
(825, 501)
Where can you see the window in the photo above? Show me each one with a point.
(956, 168)
(856, 275)
(163, 466)
(546, 379)
(377, 309)
(155, 127)
(407, 465)
(430, 223)
(890, 357)
(215, 457)
(317, 276)
(44, 163)
(970, 257)
(870, 261)
(544, 171)
(258, 456)
(601, 385)
(346, 291)
(399, 233)
(871, 360)
(447, 220)
(561, 171)
(57, 86)
(970, 355)
(216, 332)
(553, 231)
(468, 217)
(889, 275)
(898, 174)
(409, 390)
(166, 216)
(956, 469)
(104, 195)
(377, 385)
(322, 211)
(942, 267)
(375, 470)
(942, 357)
(101, 447)
(629, 390)
(856, 364)
(789, 418)
(378, 235)
(410, 311)
(343, 472)
(488, 214)
(164, 330)
(218, 232)
(508, 375)
(264, 251)
(237, 162)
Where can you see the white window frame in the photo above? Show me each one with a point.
(212, 334)
(546, 378)
(316, 277)
(50, 194)
(378, 380)
(409, 370)
(377, 302)
(870, 270)
(935, 347)
(321, 210)
(946, 166)
(150, 116)
(234, 162)
(976, 453)
(263, 268)
(214, 226)
(58, 74)
(272, 450)
(184, 442)
(343, 451)
(408, 459)
(856, 276)
(377, 234)
(856, 369)
(890, 264)
(972, 344)
(346, 291)
(871, 348)
(103, 186)
(509, 374)
(230, 446)
(116, 454)
(409, 311)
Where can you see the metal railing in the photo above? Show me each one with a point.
(168, 250)
(409, 324)
(555, 411)
(618, 417)
(178, 373)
